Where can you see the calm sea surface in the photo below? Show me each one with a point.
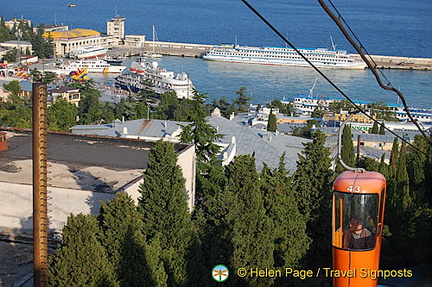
(386, 27)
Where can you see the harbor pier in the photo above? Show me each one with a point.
(197, 50)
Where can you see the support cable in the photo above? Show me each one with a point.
(325, 77)
(338, 22)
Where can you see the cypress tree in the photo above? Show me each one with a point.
(251, 228)
(382, 129)
(164, 210)
(313, 186)
(289, 226)
(374, 128)
(81, 260)
(272, 122)
(347, 151)
(122, 237)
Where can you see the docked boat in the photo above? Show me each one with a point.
(320, 57)
(114, 60)
(162, 80)
(92, 66)
(87, 52)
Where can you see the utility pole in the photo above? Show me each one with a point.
(40, 183)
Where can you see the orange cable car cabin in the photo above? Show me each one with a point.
(357, 225)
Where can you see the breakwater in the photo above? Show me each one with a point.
(197, 50)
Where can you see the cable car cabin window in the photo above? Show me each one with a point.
(355, 217)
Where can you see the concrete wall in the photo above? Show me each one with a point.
(16, 205)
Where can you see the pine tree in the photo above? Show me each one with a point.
(272, 122)
(164, 209)
(210, 176)
(313, 185)
(81, 260)
(242, 101)
(122, 237)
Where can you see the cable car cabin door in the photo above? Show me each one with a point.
(358, 217)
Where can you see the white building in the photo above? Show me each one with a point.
(116, 27)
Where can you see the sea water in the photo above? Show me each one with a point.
(388, 27)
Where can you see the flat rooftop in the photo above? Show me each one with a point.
(86, 162)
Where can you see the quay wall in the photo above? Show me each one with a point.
(197, 50)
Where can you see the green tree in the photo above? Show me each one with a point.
(289, 226)
(14, 87)
(19, 117)
(164, 209)
(122, 236)
(242, 102)
(374, 128)
(313, 186)
(167, 106)
(347, 150)
(210, 177)
(11, 55)
(382, 129)
(81, 260)
(272, 122)
(62, 116)
(251, 229)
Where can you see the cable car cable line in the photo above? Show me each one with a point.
(388, 87)
(328, 79)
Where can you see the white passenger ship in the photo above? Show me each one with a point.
(162, 80)
(320, 57)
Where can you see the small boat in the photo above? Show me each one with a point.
(71, 5)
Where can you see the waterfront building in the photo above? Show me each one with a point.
(136, 41)
(66, 41)
(116, 27)
(15, 22)
(22, 45)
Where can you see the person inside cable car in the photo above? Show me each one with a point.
(357, 237)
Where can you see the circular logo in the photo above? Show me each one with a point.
(220, 273)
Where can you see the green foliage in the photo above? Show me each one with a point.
(13, 87)
(242, 102)
(210, 175)
(164, 210)
(272, 122)
(250, 227)
(380, 110)
(289, 226)
(347, 150)
(374, 128)
(11, 55)
(81, 260)
(313, 184)
(223, 106)
(283, 109)
(122, 236)
(62, 116)
(382, 129)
